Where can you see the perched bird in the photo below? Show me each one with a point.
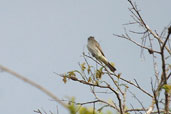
(96, 51)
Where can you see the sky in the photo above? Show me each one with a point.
(40, 37)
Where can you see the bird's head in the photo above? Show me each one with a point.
(90, 38)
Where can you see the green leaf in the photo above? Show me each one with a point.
(89, 79)
(71, 74)
(99, 73)
(167, 87)
(72, 108)
(97, 82)
(119, 75)
(84, 110)
(83, 66)
(65, 79)
(89, 69)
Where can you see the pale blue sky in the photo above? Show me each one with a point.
(39, 37)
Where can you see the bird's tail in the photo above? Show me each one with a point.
(105, 61)
(112, 68)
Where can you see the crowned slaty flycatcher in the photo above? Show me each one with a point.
(96, 51)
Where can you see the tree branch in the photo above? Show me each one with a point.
(164, 71)
(47, 92)
(138, 16)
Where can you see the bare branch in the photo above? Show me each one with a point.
(100, 86)
(164, 71)
(142, 23)
(155, 98)
(137, 100)
(136, 43)
(133, 110)
(47, 92)
(150, 109)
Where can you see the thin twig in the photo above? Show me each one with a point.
(129, 82)
(155, 97)
(128, 38)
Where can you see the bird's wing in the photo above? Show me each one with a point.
(100, 49)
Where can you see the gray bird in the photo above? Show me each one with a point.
(96, 51)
